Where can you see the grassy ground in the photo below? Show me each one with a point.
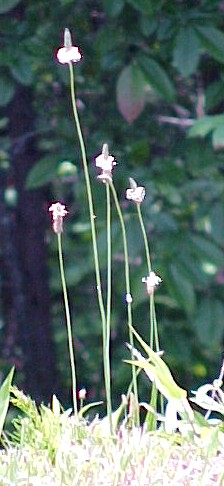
(132, 457)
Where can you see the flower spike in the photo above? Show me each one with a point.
(106, 163)
(151, 281)
(58, 213)
(68, 53)
(135, 193)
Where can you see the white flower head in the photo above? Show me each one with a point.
(106, 163)
(135, 193)
(151, 281)
(68, 53)
(82, 394)
(128, 298)
(58, 213)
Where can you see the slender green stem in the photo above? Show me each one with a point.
(128, 290)
(154, 336)
(69, 326)
(104, 319)
(153, 321)
(147, 252)
(106, 351)
(89, 195)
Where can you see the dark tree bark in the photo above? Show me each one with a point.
(25, 291)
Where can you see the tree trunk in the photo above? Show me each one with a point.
(25, 291)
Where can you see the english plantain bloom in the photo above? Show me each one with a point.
(106, 163)
(135, 193)
(58, 213)
(82, 394)
(151, 281)
(68, 53)
(128, 298)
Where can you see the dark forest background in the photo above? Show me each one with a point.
(151, 85)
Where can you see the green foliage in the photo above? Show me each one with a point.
(4, 398)
(6, 89)
(158, 372)
(157, 78)
(186, 54)
(131, 86)
(212, 39)
(6, 5)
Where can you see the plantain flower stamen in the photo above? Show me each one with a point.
(106, 163)
(135, 193)
(68, 53)
(152, 281)
(58, 213)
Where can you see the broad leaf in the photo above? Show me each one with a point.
(212, 40)
(144, 6)
(41, 173)
(206, 250)
(216, 219)
(113, 7)
(181, 288)
(218, 138)
(158, 78)
(7, 89)
(21, 70)
(186, 53)
(131, 92)
(7, 5)
(205, 125)
(209, 322)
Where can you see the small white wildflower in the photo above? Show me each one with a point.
(135, 193)
(106, 163)
(58, 213)
(68, 53)
(82, 394)
(151, 281)
(128, 298)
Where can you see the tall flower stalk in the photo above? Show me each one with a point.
(137, 195)
(106, 350)
(128, 291)
(106, 163)
(69, 54)
(58, 212)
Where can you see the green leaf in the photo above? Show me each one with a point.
(186, 52)
(87, 407)
(158, 78)
(205, 125)
(212, 40)
(131, 92)
(21, 70)
(158, 371)
(218, 138)
(42, 172)
(209, 322)
(181, 288)
(113, 7)
(7, 89)
(151, 414)
(7, 5)
(206, 250)
(216, 220)
(4, 398)
(144, 6)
